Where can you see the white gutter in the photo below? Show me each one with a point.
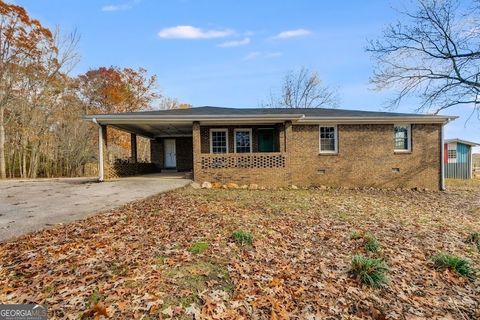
(170, 118)
(376, 120)
(100, 151)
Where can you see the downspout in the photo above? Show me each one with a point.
(442, 159)
(100, 151)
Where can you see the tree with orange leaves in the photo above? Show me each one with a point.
(113, 89)
(23, 41)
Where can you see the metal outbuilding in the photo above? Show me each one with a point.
(458, 158)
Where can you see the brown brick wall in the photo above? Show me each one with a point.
(184, 149)
(365, 159)
(262, 177)
(156, 152)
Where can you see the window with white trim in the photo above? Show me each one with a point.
(218, 140)
(243, 140)
(328, 139)
(452, 153)
(402, 137)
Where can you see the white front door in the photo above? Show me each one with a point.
(170, 153)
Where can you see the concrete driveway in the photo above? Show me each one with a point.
(27, 206)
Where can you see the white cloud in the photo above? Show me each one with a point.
(120, 7)
(258, 54)
(190, 32)
(273, 54)
(234, 43)
(292, 34)
(113, 7)
(252, 55)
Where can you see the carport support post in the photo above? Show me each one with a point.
(196, 139)
(133, 147)
(288, 136)
(102, 143)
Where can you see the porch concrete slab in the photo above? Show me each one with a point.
(31, 205)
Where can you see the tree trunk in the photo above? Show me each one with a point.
(3, 172)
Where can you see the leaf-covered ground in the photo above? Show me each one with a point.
(173, 256)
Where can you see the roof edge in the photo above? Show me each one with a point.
(298, 118)
(470, 143)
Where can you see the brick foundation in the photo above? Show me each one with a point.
(118, 170)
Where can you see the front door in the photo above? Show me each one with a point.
(170, 153)
(266, 142)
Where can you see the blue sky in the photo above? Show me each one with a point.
(233, 53)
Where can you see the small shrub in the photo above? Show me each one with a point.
(371, 243)
(242, 237)
(355, 235)
(456, 264)
(369, 271)
(474, 238)
(198, 247)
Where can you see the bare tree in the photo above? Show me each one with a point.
(168, 103)
(434, 54)
(303, 89)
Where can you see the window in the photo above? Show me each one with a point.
(452, 153)
(328, 139)
(243, 140)
(402, 138)
(218, 141)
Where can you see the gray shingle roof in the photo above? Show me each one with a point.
(308, 112)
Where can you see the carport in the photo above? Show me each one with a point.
(170, 138)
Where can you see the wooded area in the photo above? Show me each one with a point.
(41, 104)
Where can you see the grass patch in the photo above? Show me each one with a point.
(118, 269)
(369, 271)
(95, 297)
(355, 235)
(198, 247)
(242, 237)
(371, 243)
(193, 278)
(456, 264)
(49, 289)
(463, 183)
(160, 260)
(474, 238)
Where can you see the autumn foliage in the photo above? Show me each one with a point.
(110, 90)
(41, 104)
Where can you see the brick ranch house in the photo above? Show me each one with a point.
(282, 147)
